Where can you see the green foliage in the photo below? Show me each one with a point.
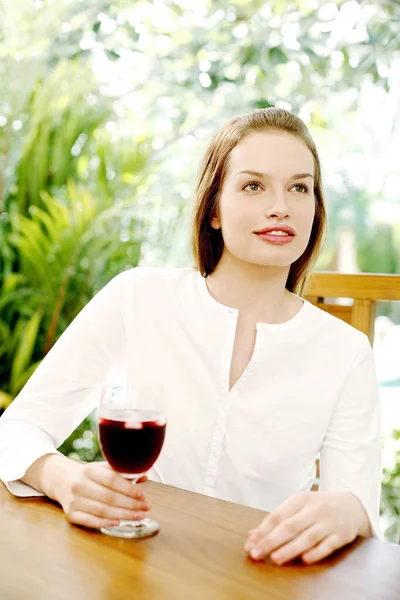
(84, 443)
(21, 366)
(377, 250)
(390, 504)
(65, 252)
(61, 117)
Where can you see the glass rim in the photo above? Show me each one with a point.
(111, 413)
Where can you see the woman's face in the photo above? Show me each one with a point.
(266, 205)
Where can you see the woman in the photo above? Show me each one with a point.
(258, 381)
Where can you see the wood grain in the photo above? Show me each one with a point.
(198, 555)
(364, 286)
(365, 289)
(345, 313)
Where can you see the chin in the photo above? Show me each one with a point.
(283, 256)
(273, 259)
(271, 263)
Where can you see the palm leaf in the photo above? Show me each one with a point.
(25, 348)
(23, 378)
(5, 399)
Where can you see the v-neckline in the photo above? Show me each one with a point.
(249, 367)
(244, 343)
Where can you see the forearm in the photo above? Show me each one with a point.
(49, 473)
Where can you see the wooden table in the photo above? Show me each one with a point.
(198, 555)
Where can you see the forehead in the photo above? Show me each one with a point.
(274, 152)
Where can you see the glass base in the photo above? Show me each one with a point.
(133, 529)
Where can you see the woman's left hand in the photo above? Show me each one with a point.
(311, 525)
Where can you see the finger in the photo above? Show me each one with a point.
(110, 479)
(324, 549)
(282, 534)
(105, 511)
(302, 543)
(286, 510)
(91, 490)
(85, 520)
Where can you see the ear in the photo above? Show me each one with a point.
(215, 222)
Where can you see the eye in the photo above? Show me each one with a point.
(252, 185)
(303, 186)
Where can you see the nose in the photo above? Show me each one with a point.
(277, 207)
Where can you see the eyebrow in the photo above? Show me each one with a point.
(258, 174)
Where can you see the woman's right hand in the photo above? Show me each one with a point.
(93, 495)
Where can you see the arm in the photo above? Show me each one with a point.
(48, 474)
(351, 450)
(91, 495)
(64, 389)
(313, 525)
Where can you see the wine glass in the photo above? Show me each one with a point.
(131, 430)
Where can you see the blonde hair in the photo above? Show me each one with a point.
(207, 242)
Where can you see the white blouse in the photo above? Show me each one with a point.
(309, 388)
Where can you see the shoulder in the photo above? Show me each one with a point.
(157, 274)
(153, 279)
(337, 333)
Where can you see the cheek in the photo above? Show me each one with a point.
(304, 228)
(305, 217)
(237, 216)
(235, 226)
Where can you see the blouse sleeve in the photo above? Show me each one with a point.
(65, 387)
(351, 450)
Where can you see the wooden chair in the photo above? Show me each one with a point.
(365, 290)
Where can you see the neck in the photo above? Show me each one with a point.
(258, 292)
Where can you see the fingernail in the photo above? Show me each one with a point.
(140, 495)
(256, 552)
(146, 506)
(138, 516)
(248, 546)
(253, 532)
(276, 559)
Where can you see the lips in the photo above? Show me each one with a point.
(284, 228)
(279, 234)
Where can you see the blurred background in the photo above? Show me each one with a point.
(105, 110)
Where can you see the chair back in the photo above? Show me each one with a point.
(364, 289)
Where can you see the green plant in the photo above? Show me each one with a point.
(66, 251)
(62, 116)
(83, 443)
(390, 503)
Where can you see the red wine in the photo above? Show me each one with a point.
(131, 443)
